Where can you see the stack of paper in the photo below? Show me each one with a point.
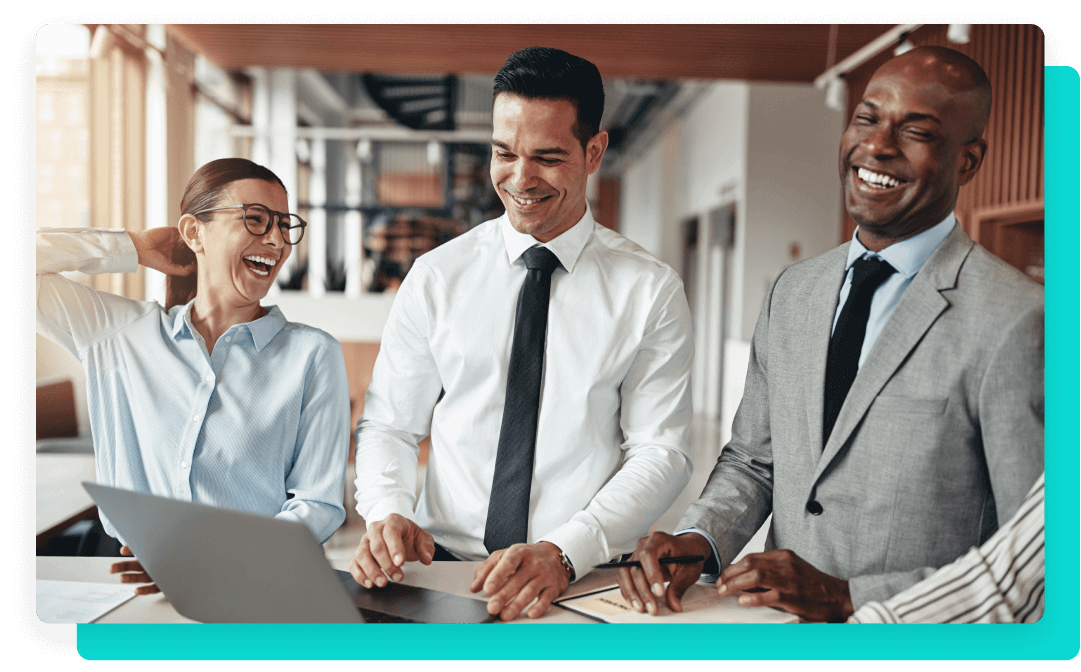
(701, 604)
(78, 602)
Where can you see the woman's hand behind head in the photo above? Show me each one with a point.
(162, 249)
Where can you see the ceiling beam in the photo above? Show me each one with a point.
(768, 52)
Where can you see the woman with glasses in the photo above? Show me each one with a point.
(218, 399)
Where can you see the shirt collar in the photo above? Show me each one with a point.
(181, 321)
(567, 246)
(262, 330)
(266, 327)
(909, 255)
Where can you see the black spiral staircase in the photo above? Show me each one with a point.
(420, 103)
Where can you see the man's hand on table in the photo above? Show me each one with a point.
(788, 582)
(131, 571)
(515, 576)
(641, 587)
(386, 546)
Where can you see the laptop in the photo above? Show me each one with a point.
(223, 566)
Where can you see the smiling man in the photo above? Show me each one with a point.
(893, 410)
(548, 357)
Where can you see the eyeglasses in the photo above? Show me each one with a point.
(258, 219)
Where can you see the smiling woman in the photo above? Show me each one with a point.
(213, 193)
(218, 399)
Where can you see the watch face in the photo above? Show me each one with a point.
(567, 564)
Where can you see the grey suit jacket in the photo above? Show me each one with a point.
(940, 437)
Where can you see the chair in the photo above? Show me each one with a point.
(58, 432)
(56, 416)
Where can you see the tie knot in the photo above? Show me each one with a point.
(540, 259)
(871, 271)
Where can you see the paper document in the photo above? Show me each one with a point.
(77, 601)
(701, 604)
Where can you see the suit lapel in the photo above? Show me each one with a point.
(919, 307)
(822, 307)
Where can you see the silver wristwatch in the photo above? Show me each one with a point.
(566, 564)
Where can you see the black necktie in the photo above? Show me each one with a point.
(508, 508)
(843, 359)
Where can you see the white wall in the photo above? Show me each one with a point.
(346, 319)
(771, 150)
(713, 147)
(793, 192)
(641, 218)
(691, 168)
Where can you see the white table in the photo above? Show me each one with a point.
(60, 497)
(451, 577)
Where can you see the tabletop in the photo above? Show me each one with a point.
(450, 577)
(60, 499)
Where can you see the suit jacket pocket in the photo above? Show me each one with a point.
(891, 404)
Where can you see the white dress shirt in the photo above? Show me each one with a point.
(614, 418)
(259, 425)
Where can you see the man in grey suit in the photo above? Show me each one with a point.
(939, 435)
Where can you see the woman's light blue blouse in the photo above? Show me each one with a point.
(261, 425)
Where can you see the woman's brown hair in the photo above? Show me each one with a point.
(204, 191)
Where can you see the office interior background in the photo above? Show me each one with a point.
(722, 163)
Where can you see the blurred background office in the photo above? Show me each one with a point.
(722, 163)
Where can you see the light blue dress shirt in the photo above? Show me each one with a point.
(907, 258)
(261, 425)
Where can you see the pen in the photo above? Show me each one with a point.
(678, 560)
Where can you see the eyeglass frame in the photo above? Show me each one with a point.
(275, 217)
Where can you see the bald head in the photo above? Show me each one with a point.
(959, 74)
(914, 139)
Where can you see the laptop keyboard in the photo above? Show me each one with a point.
(378, 617)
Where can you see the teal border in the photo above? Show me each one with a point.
(1056, 636)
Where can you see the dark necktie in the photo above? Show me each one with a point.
(508, 508)
(843, 359)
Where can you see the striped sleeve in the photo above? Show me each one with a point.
(999, 582)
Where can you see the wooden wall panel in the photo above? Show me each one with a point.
(606, 211)
(1012, 173)
(359, 363)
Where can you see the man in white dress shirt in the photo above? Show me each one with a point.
(611, 396)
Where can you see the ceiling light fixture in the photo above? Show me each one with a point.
(364, 150)
(836, 94)
(959, 33)
(435, 153)
(866, 53)
(904, 46)
(304, 150)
